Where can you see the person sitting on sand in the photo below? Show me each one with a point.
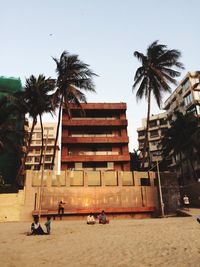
(91, 219)
(102, 218)
(198, 218)
(36, 229)
(48, 225)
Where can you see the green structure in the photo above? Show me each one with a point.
(10, 156)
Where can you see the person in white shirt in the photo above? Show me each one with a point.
(91, 219)
(186, 202)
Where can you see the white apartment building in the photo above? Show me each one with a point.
(158, 124)
(185, 99)
(33, 158)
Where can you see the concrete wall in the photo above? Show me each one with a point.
(11, 206)
(79, 190)
(170, 192)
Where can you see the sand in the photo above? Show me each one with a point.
(149, 242)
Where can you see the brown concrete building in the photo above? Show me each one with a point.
(97, 139)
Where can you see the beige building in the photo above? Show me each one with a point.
(157, 126)
(33, 158)
(186, 99)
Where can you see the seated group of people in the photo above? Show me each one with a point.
(102, 218)
(36, 228)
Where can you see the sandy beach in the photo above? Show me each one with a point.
(129, 242)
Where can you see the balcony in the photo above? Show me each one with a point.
(95, 158)
(94, 122)
(93, 140)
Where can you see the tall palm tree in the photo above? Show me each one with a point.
(38, 101)
(73, 76)
(179, 139)
(154, 76)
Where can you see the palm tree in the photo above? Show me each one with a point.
(38, 101)
(179, 139)
(154, 76)
(73, 76)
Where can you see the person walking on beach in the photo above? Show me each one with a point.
(186, 202)
(198, 218)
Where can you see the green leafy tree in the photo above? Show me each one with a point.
(74, 76)
(179, 139)
(154, 77)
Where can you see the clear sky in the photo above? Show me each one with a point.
(104, 34)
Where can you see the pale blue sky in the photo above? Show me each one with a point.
(104, 34)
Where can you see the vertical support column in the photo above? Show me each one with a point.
(102, 173)
(119, 177)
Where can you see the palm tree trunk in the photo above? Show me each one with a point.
(21, 168)
(181, 167)
(42, 137)
(57, 134)
(146, 142)
(193, 169)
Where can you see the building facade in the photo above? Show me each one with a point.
(10, 157)
(185, 99)
(33, 158)
(95, 137)
(158, 125)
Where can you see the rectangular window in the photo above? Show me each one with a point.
(29, 159)
(163, 122)
(186, 85)
(188, 99)
(153, 123)
(37, 151)
(145, 181)
(47, 158)
(141, 133)
(192, 110)
(154, 133)
(37, 159)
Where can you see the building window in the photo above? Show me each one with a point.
(153, 123)
(186, 85)
(37, 159)
(163, 122)
(37, 151)
(154, 133)
(47, 166)
(141, 133)
(188, 99)
(29, 159)
(28, 167)
(38, 135)
(48, 128)
(192, 110)
(47, 158)
(157, 153)
(198, 109)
